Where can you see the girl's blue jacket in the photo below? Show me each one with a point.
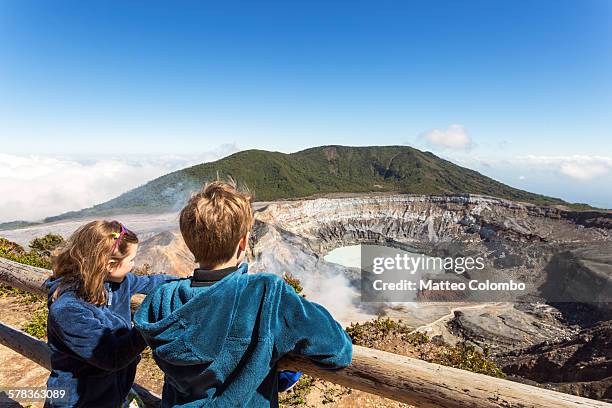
(94, 349)
(218, 339)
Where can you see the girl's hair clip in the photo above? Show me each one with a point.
(115, 235)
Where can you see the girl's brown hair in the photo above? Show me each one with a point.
(82, 262)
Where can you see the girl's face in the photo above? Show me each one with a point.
(118, 270)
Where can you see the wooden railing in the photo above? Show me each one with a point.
(385, 374)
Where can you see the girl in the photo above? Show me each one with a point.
(94, 348)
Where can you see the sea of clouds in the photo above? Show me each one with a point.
(34, 187)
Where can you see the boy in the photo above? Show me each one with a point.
(219, 334)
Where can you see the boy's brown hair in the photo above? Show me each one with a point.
(214, 220)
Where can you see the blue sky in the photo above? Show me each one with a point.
(519, 79)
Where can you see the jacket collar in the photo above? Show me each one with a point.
(205, 277)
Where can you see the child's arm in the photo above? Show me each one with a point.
(91, 340)
(146, 283)
(306, 328)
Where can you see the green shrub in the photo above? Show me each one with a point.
(9, 247)
(467, 357)
(15, 252)
(365, 334)
(417, 338)
(293, 282)
(37, 325)
(45, 245)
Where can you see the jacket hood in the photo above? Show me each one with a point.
(51, 284)
(176, 317)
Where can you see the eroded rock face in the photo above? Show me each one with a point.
(581, 363)
(342, 221)
(523, 241)
(507, 328)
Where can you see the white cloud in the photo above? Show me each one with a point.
(583, 171)
(34, 187)
(575, 178)
(577, 167)
(455, 137)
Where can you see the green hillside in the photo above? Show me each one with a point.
(325, 169)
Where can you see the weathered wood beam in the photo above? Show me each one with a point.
(385, 374)
(426, 385)
(24, 277)
(26, 345)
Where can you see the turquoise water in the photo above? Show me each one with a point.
(348, 256)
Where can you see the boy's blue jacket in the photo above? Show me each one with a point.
(218, 341)
(94, 349)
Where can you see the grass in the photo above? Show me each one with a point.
(24, 296)
(333, 393)
(297, 395)
(37, 325)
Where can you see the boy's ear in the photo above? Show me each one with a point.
(242, 244)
